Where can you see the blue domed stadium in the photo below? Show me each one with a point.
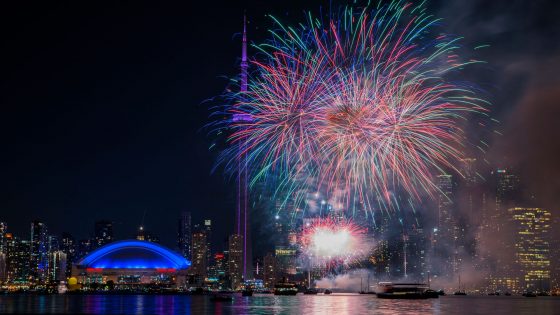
(134, 254)
(130, 261)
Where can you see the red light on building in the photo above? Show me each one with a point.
(164, 270)
(94, 270)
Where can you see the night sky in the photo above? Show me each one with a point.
(103, 104)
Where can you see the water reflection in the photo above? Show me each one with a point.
(337, 304)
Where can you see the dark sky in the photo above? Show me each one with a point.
(102, 109)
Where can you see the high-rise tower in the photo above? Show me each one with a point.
(103, 233)
(242, 220)
(38, 262)
(184, 235)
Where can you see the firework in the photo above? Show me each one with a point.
(325, 241)
(362, 103)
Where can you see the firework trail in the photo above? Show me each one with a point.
(361, 103)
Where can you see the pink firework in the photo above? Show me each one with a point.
(366, 103)
(328, 241)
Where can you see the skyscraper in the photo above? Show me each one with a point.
(84, 247)
(217, 271)
(199, 257)
(208, 232)
(103, 233)
(235, 260)
(269, 271)
(68, 247)
(17, 260)
(508, 194)
(286, 260)
(532, 246)
(503, 273)
(39, 254)
(3, 231)
(446, 231)
(57, 266)
(184, 233)
(3, 251)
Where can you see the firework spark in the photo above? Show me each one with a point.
(362, 103)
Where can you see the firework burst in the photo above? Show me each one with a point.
(361, 103)
(328, 242)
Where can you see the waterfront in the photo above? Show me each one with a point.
(269, 304)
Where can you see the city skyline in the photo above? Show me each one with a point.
(113, 191)
(154, 137)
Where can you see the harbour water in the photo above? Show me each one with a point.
(336, 304)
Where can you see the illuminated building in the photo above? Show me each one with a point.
(507, 192)
(217, 271)
(236, 260)
(286, 260)
(531, 228)
(184, 241)
(503, 274)
(416, 244)
(3, 269)
(38, 254)
(208, 232)
(103, 233)
(143, 235)
(17, 260)
(132, 263)
(555, 258)
(380, 255)
(57, 265)
(3, 231)
(84, 248)
(269, 271)
(3, 251)
(199, 257)
(446, 233)
(68, 247)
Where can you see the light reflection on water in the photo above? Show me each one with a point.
(336, 304)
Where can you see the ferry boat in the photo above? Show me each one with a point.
(285, 288)
(412, 291)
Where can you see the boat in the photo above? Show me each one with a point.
(507, 294)
(310, 291)
(221, 298)
(409, 291)
(543, 293)
(327, 291)
(432, 294)
(247, 292)
(285, 288)
(460, 291)
(529, 294)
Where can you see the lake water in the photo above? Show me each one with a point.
(337, 304)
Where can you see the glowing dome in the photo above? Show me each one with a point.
(134, 254)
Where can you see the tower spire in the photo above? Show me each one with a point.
(244, 64)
